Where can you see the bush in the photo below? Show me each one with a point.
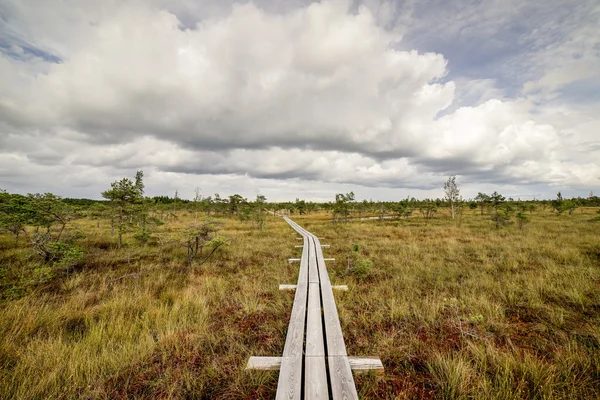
(361, 268)
(62, 253)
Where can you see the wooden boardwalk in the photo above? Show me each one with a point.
(314, 363)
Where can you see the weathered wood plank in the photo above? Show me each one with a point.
(295, 335)
(287, 287)
(294, 343)
(315, 379)
(303, 273)
(264, 363)
(313, 272)
(333, 329)
(359, 364)
(342, 382)
(289, 385)
(334, 287)
(315, 344)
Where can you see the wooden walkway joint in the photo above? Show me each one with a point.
(314, 363)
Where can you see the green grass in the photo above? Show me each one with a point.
(465, 312)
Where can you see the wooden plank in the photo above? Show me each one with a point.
(313, 272)
(264, 363)
(291, 260)
(359, 364)
(289, 385)
(334, 287)
(295, 335)
(315, 344)
(288, 287)
(333, 329)
(303, 273)
(315, 379)
(342, 382)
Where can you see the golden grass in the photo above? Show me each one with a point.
(465, 312)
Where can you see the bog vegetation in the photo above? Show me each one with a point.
(133, 297)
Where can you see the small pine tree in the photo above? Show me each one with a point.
(522, 219)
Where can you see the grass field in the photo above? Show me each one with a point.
(454, 312)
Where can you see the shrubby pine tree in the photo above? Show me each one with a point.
(341, 209)
(259, 214)
(501, 213)
(483, 200)
(123, 196)
(15, 213)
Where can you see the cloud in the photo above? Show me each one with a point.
(318, 77)
(321, 92)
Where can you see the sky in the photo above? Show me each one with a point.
(300, 99)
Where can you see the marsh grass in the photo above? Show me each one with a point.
(465, 312)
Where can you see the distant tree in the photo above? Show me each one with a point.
(15, 213)
(48, 210)
(558, 203)
(501, 213)
(403, 209)
(341, 210)
(259, 211)
(197, 237)
(175, 204)
(197, 200)
(381, 210)
(301, 206)
(522, 219)
(361, 208)
(207, 204)
(483, 200)
(428, 208)
(123, 195)
(235, 202)
(459, 207)
(220, 204)
(146, 224)
(452, 192)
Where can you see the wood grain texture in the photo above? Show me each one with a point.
(294, 341)
(303, 272)
(288, 287)
(264, 363)
(313, 272)
(315, 344)
(334, 287)
(342, 382)
(315, 379)
(358, 364)
(289, 385)
(333, 329)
